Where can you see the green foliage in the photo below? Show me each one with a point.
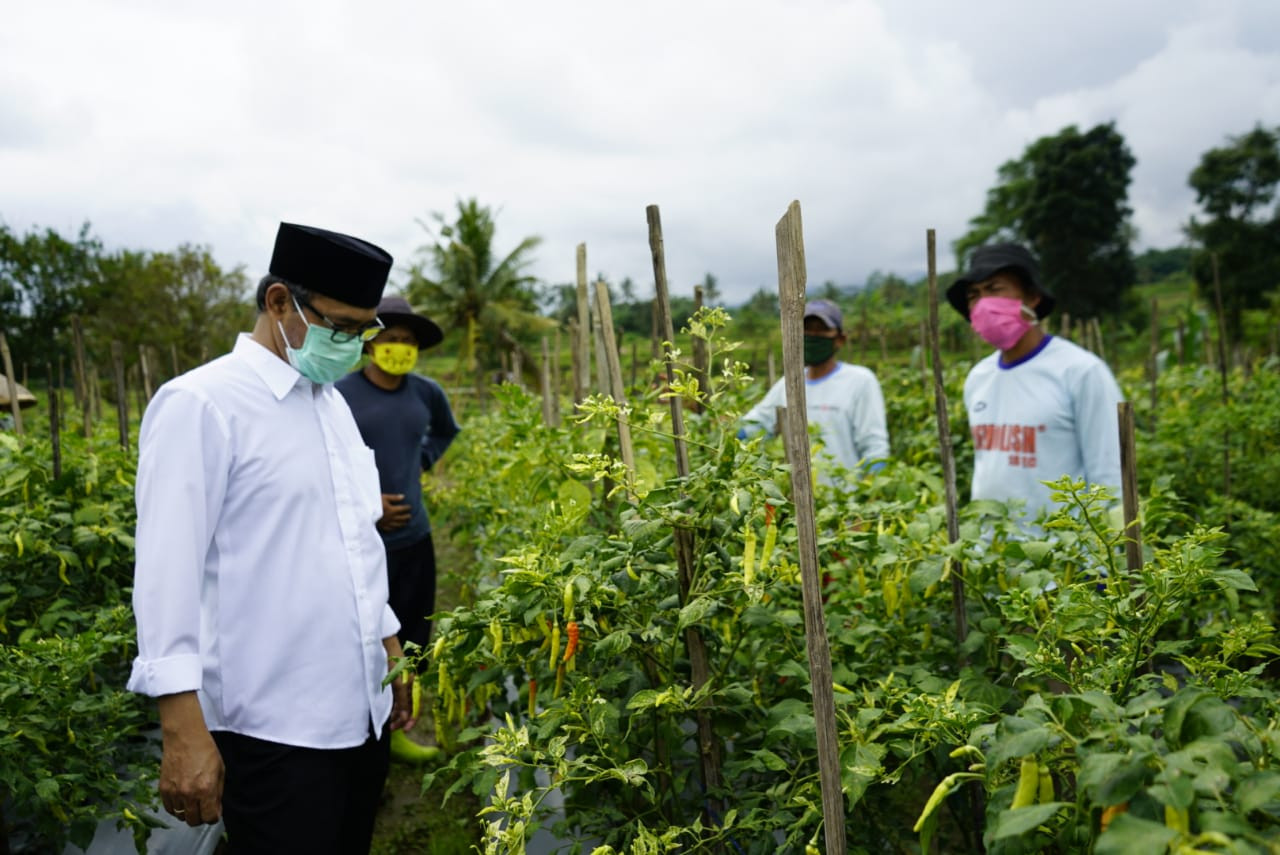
(1066, 199)
(1070, 659)
(71, 750)
(1235, 186)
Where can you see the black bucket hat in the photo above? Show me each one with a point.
(987, 261)
(393, 311)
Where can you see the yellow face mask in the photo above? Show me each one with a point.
(395, 358)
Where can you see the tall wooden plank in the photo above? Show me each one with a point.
(582, 344)
(616, 389)
(122, 397)
(1129, 487)
(791, 294)
(699, 664)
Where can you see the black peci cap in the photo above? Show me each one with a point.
(393, 311)
(348, 269)
(987, 261)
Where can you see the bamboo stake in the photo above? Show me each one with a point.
(173, 357)
(94, 400)
(79, 365)
(773, 369)
(597, 339)
(55, 429)
(1097, 338)
(1129, 487)
(699, 667)
(575, 353)
(791, 286)
(635, 364)
(122, 399)
(1153, 366)
(1064, 328)
(701, 359)
(1226, 393)
(614, 364)
(146, 372)
(558, 374)
(548, 399)
(14, 408)
(944, 440)
(582, 344)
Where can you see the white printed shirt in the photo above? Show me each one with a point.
(260, 578)
(848, 408)
(1051, 414)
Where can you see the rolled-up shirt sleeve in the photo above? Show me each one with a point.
(183, 460)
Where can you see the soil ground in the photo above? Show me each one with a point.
(411, 822)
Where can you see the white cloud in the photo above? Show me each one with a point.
(164, 123)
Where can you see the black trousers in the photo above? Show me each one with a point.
(281, 799)
(411, 578)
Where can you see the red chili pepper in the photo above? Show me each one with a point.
(571, 628)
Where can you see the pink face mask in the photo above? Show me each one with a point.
(1001, 321)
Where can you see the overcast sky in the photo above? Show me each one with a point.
(172, 122)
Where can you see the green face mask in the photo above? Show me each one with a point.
(818, 349)
(321, 359)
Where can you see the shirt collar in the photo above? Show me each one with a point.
(279, 376)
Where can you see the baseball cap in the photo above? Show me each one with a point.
(827, 312)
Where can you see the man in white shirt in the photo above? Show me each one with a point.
(1039, 407)
(260, 586)
(843, 400)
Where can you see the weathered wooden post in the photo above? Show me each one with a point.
(582, 344)
(145, 368)
(575, 354)
(597, 338)
(701, 358)
(1153, 362)
(78, 364)
(791, 293)
(14, 408)
(614, 365)
(549, 406)
(1129, 487)
(944, 440)
(55, 429)
(1226, 389)
(122, 397)
(699, 665)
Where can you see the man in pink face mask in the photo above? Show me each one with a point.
(1039, 407)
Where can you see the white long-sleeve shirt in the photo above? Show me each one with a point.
(1051, 414)
(848, 408)
(260, 578)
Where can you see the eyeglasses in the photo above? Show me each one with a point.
(366, 332)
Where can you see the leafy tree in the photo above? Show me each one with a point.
(44, 279)
(464, 285)
(1235, 187)
(180, 303)
(1066, 198)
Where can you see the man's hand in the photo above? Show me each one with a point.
(395, 512)
(191, 771)
(401, 688)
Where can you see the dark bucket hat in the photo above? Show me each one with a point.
(986, 262)
(394, 311)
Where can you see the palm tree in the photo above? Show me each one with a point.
(459, 281)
